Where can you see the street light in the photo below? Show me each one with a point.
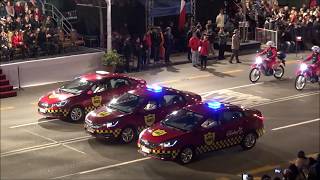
(109, 48)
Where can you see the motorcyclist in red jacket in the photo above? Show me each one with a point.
(315, 60)
(271, 53)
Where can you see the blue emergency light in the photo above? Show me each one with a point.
(214, 105)
(154, 88)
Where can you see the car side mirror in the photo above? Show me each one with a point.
(90, 92)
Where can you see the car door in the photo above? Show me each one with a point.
(209, 135)
(232, 125)
(151, 112)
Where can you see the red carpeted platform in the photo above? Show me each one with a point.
(6, 90)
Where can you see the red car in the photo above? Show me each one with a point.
(123, 118)
(201, 128)
(85, 93)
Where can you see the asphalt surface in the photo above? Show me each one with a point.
(36, 148)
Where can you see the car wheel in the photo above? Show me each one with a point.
(249, 141)
(186, 155)
(76, 114)
(127, 135)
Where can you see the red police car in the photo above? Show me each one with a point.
(85, 93)
(125, 117)
(201, 128)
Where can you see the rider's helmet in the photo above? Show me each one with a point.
(315, 49)
(270, 43)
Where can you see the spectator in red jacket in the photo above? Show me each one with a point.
(194, 44)
(204, 51)
(17, 42)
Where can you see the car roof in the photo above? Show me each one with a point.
(98, 75)
(204, 109)
(147, 93)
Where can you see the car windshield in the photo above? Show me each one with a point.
(183, 119)
(126, 103)
(77, 85)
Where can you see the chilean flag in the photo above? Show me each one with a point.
(182, 17)
(313, 3)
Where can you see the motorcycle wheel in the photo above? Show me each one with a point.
(254, 75)
(300, 82)
(278, 72)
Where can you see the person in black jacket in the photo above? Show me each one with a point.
(127, 52)
(314, 172)
(156, 40)
(140, 50)
(168, 43)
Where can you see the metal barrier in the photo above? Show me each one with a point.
(264, 35)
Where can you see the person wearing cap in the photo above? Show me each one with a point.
(235, 46)
(168, 43)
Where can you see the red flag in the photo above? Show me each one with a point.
(182, 17)
(313, 3)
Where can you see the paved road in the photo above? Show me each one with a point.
(37, 148)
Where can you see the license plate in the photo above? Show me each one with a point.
(90, 129)
(145, 149)
(42, 110)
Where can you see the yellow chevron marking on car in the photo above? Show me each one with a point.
(219, 144)
(159, 132)
(103, 114)
(115, 132)
(63, 111)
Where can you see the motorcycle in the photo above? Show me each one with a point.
(259, 68)
(304, 75)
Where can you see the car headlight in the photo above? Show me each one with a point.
(142, 132)
(61, 103)
(258, 60)
(110, 124)
(169, 143)
(303, 67)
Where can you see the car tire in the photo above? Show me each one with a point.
(76, 114)
(127, 135)
(249, 141)
(186, 155)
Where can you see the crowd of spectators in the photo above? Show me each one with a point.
(302, 168)
(27, 32)
(289, 22)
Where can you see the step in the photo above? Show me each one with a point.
(6, 88)
(8, 94)
(4, 82)
(2, 76)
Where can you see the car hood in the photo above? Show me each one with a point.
(56, 96)
(160, 133)
(103, 115)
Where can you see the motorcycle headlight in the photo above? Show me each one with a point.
(169, 143)
(303, 67)
(258, 60)
(142, 132)
(110, 124)
(61, 103)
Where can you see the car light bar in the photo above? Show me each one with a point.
(214, 105)
(154, 88)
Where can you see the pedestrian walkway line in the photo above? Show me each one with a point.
(197, 77)
(102, 168)
(296, 124)
(7, 108)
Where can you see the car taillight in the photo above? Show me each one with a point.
(259, 116)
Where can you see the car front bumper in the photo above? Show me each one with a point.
(103, 133)
(157, 153)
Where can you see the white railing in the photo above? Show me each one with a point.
(56, 15)
(264, 35)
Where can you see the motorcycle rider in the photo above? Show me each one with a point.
(271, 53)
(315, 61)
